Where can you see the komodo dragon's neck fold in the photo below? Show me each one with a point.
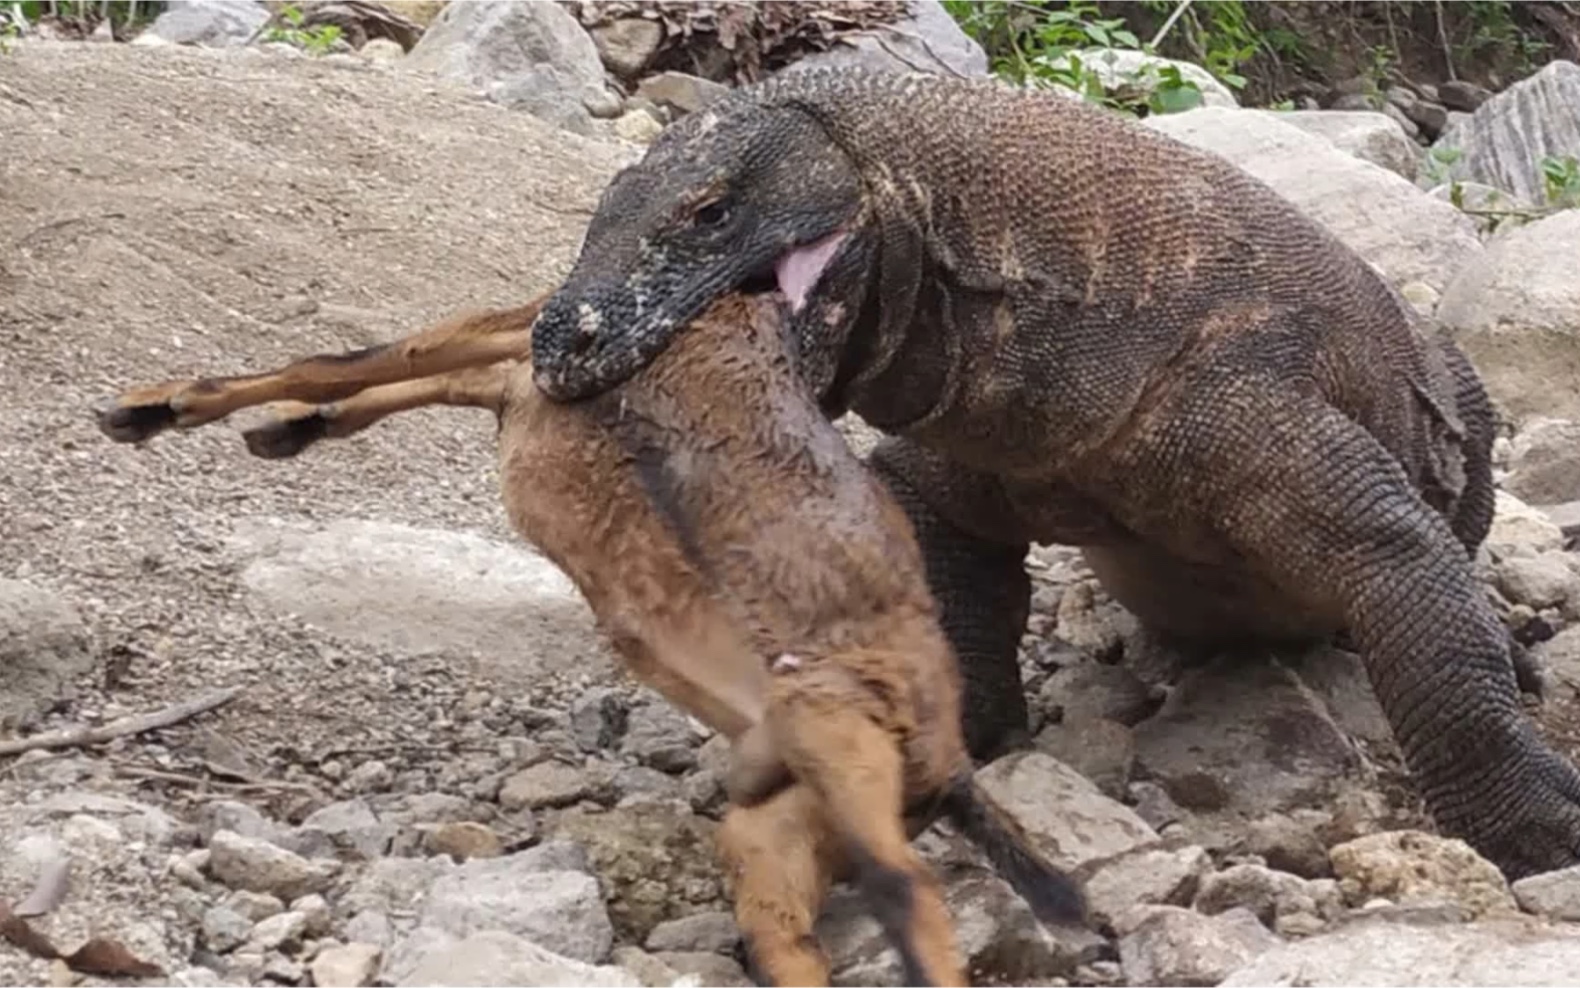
(868, 322)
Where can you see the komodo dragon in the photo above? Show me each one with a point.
(1076, 330)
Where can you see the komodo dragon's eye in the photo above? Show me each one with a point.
(711, 213)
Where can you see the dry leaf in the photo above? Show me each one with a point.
(16, 929)
(49, 891)
(111, 959)
(107, 958)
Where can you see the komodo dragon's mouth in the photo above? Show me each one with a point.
(796, 272)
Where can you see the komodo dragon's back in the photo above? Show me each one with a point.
(1148, 254)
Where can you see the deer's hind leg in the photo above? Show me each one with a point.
(780, 858)
(472, 339)
(855, 765)
(298, 424)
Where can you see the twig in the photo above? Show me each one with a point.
(81, 737)
(449, 747)
(1442, 39)
(182, 779)
(1168, 24)
(926, 46)
(1528, 214)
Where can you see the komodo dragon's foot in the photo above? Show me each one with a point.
(1526, 817)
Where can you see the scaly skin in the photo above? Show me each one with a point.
(1081, 331)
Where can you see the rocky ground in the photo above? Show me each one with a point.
(433, 773)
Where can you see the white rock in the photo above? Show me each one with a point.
(1387, 220)
(258, 866)
(1554, 894)
(349, 825)
(1544, 462)
(1410, 867)
(1520, 530)
(1269, 895)
(1560, 656)
(1488, 954)
(1067, 817)
(1167, 945)
(278, 931)
(711, 931)
(1516, 313)
(256, 906)
(561, 911)
(224, 929)
(679, 91)
(1147, 876)
(1545, 580)
(382, 51)
(350, 965)
(994, 929)
(494, 957)
(1369, 136)
(627, 44)
(637, 126)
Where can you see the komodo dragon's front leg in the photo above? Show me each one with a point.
(1313, 503)
(978, 578)
(974, 542)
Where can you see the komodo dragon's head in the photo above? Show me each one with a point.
(738, 196)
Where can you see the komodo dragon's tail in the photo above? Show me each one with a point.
(1054, 896)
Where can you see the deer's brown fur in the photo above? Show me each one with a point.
(744, 564)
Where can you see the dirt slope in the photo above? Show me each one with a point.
(165, 212)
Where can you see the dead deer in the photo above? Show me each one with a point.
(746, 565)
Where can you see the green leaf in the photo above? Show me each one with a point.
(1175, 99)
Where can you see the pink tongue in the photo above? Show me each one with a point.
(799, 270)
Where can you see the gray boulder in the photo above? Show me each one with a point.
(1369, 136)
(1066, 816)
(928, 40)
(1167, 945)
(994, 929)
(495, 957)
(1504, 141)
(1554, 894)
(1242, 737)
(530, 56)
(1409, 237)
(208, 23)
(414, 589)
(1560, 657)
(1509, 952)
(528, 894)
(1517, 315)
(43, 646)
(1544, 463)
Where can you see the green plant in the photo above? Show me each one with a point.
(1561, 181)
(1492, 26)
(1375, 74)
(10, 28)
(1064, 46)
(1440, 159)
(313, 40)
